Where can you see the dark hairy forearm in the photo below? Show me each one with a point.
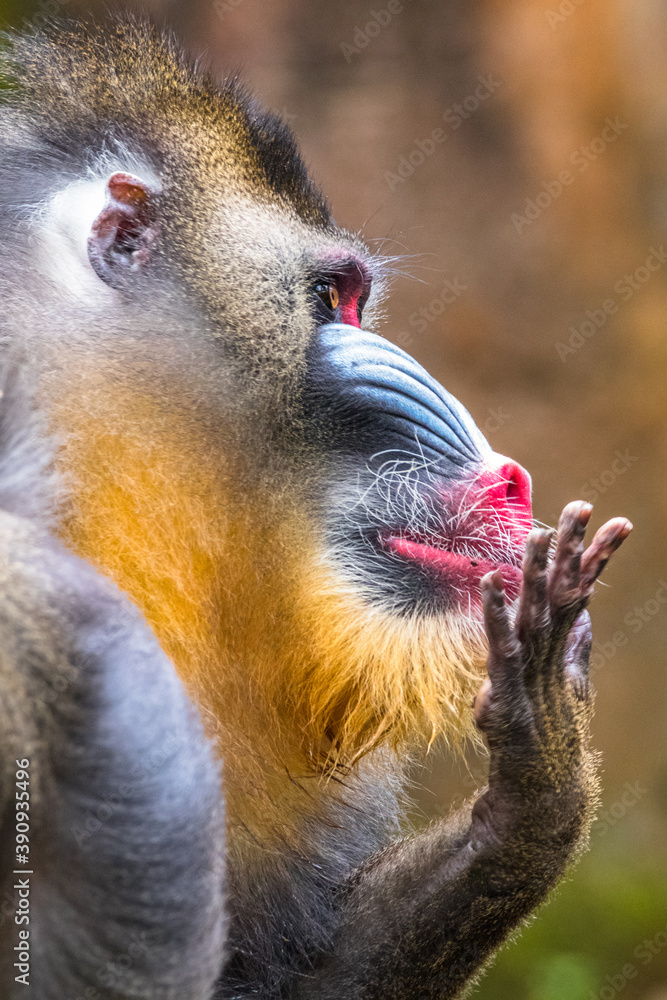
(418, 921)
(421, 919)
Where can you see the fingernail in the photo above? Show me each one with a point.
(584, 515)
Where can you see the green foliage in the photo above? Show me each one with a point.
(14, 12)
(604, 934)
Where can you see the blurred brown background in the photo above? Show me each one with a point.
(514, 154)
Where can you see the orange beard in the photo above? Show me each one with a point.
(281, 653)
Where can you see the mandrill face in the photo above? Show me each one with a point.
(410, 505)
(300, 510)
(414, 509)
(392, 506)
(420, 507)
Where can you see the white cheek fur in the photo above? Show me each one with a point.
(65, 226)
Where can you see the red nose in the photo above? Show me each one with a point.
(507, 489)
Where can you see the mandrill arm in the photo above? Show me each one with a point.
(104, 762)
(421, 918)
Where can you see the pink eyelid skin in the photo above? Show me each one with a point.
(352, 279)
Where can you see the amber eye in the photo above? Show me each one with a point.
(328, 294)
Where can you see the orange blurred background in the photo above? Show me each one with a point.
(514, 156)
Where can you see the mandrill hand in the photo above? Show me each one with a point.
(535, 705)
(420, 918)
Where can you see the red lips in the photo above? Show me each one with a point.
(486, 522)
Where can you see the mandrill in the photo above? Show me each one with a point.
(251, 553)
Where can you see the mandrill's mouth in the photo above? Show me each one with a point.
(428, 543)
(428, 508)
(459, 573)
(483, 528)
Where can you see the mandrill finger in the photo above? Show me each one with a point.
(605, 542)
(533, 606)
(504, 648)
(563, 585)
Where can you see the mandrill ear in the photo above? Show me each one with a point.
(123, 235)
